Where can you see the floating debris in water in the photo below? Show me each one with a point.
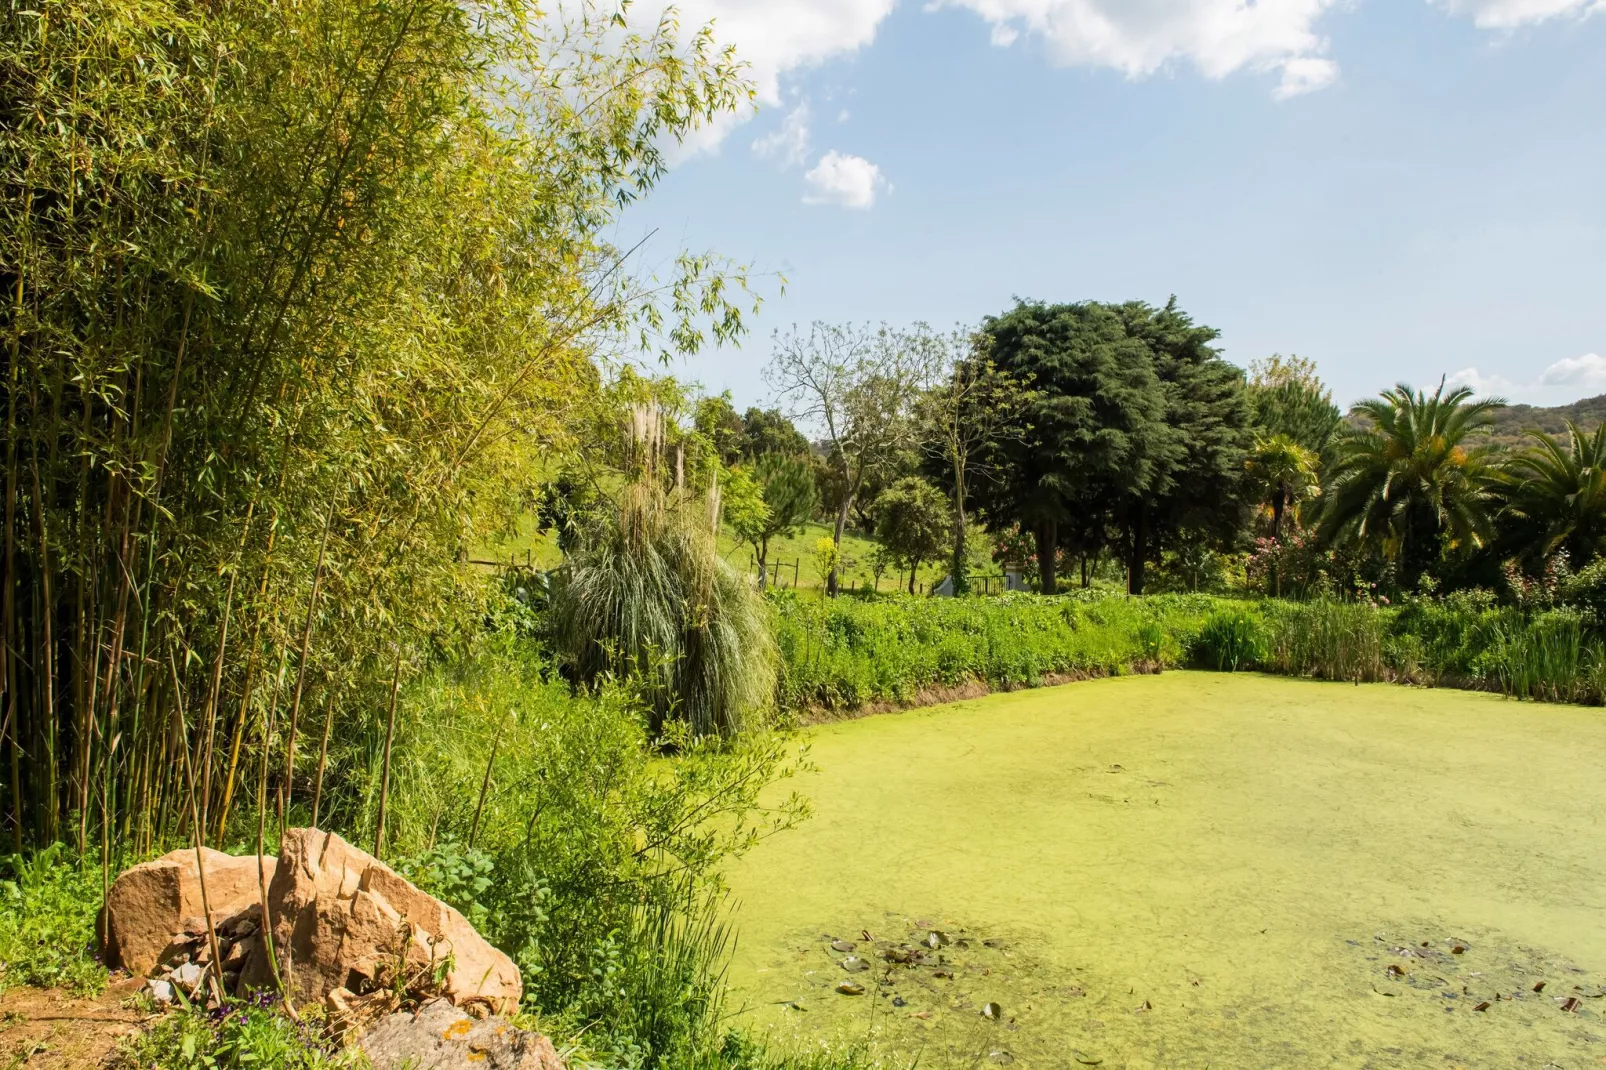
(1002, 1058)
(1084, 1058)
(992, 1010)
(936, 938)
(843, 945)
(848, 988)
(899, 1001)
(853, 964)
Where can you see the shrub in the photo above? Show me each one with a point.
(48, 904)
(1231, 639)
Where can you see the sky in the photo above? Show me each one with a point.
(1397, 189)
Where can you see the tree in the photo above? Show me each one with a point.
(972, 407)
(1557, 496)
(1414, 482)
(787, 497)
(1139, 431)
(912, 522)
(1288, 398)
(1197, 486)
(1097, 419)
(858, 385)
(1284, 472)
(716, 421)
(767, 431)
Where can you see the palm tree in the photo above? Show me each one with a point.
(1285, 471)
(1415, 481)
(1558, 494)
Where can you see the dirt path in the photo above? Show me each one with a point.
(52, 1030)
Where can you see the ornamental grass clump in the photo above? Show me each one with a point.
(650, 602)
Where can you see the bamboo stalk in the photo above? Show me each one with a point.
(323, 753)
(384, 779)
(301, 669)
(485, 785)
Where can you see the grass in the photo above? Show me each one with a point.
(48, 904)
(1195, 869)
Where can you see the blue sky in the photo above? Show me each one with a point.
(1397, 190)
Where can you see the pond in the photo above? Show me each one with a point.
(1194, 869)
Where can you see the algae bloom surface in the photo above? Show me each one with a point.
(1192, 870)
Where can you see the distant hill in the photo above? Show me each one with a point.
(1513, 420)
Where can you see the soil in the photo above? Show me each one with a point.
(52, 1029)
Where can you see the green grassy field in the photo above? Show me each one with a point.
(1194, 870)
(528, 544)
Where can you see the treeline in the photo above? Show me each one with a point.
(1095, 443)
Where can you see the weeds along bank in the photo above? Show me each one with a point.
(847, 654)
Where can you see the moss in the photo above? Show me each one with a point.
(1195, 869)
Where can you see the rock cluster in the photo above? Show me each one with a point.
(346, 929)
(438, 1036)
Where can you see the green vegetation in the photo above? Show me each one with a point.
(47, 918)
(1194, 869)
(849, 653)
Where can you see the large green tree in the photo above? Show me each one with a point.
(1288, 398)
(1138, 428)
(1097, 418)
(1417, 480)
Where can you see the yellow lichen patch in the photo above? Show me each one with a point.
(460, 1028)
(1190, 870)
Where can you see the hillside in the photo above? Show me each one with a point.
(1512, 421)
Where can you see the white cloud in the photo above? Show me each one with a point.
(1140, 37)
(774, 38)
(849, 181)
(790, 140)
(1510, 14)
(1568, 379)
(1587, 372)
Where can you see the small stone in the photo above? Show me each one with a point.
(188, 975)
(161, 992)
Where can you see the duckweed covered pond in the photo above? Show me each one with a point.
(1192, 870)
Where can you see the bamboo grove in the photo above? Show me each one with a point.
(292, 293)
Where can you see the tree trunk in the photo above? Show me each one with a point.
(1279, 502)
(914, 569)
(1047, 534)
(961, 566)
(1140, 550)
(763, 548)
(836, 536)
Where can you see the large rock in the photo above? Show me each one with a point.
(342, 919)
(155, 907)
(441, 1037)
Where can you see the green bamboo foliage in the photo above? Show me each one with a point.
(291, 292)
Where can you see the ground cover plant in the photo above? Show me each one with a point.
(1393, 887)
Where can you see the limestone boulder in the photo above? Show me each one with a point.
(439, 1036)
(342, 919)
(155, 908)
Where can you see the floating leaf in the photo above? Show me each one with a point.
(848, 988)
(922, 1015)
(899, 1001)
(1144, 1008)
(1459, 949)
(1002, 1058)
(843, 945)
(1396, 970)
(992, 1010)
(1571, 1004)
(853, 964)
(1540, 987)
(1482, 1006)
(1084, 1058)
(936, 938)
